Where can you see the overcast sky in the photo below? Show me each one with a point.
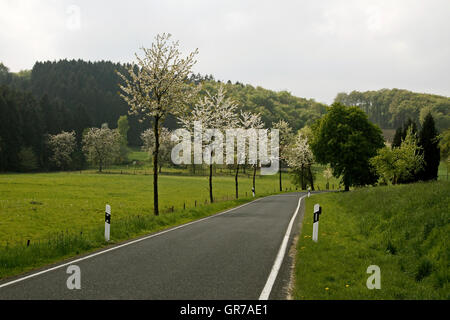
(313, 49)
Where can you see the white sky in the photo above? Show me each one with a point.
(313, 49)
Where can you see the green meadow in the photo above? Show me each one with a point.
(33, 206)
(45, 217)
(403, 229)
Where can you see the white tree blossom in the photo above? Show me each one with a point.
(213, 111)
(300, 154)
(252, 122)
(286, 136)
(62, 146)
(156, 86)
(300, 158)
(101, 146)
(211, 115)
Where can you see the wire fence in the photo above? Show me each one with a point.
(60, 237)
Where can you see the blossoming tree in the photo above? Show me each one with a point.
(156, 86)
(300, 158)
(211, 116)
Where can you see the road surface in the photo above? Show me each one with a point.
(226, 256)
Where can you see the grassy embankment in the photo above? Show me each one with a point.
(403, 229)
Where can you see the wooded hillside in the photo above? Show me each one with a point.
(390, 109)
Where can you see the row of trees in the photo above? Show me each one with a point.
(156, 87)
(71, 95)
(159, 89)
(220, 112)
(343, 138)
(100, 146)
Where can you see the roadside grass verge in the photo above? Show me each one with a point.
(403, 229)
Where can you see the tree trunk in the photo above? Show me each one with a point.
(160, 168)
(210, 183)
(100, 166)
(311, 180)
(254, 175)
(302, 176)
(236, 180)
(155, 166)
(281, 186)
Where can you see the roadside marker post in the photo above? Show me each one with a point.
(107, 221)
(253, 191)
(309, 192)
(317, 212)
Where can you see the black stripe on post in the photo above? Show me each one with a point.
(317, 212)
(316, 217)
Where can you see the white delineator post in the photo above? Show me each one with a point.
(107, 221)
(317, 212)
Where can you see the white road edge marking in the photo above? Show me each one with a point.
(280, 256)
(125, 244)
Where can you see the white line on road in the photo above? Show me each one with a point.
(123, 245)
(280, 256)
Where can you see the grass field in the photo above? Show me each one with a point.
(403, 229)
(33, 206)
(48, 216)
(62, 214)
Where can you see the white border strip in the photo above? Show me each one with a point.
(280, 256)
(125, 244)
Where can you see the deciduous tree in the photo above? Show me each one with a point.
(215, 113)
(394, 165)
(157, 86)
(62, 146)
(101, 146)
(285, 139)
(253, 122)
(300, 158)
(345, 139)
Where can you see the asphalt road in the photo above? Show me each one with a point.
(227, 256)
